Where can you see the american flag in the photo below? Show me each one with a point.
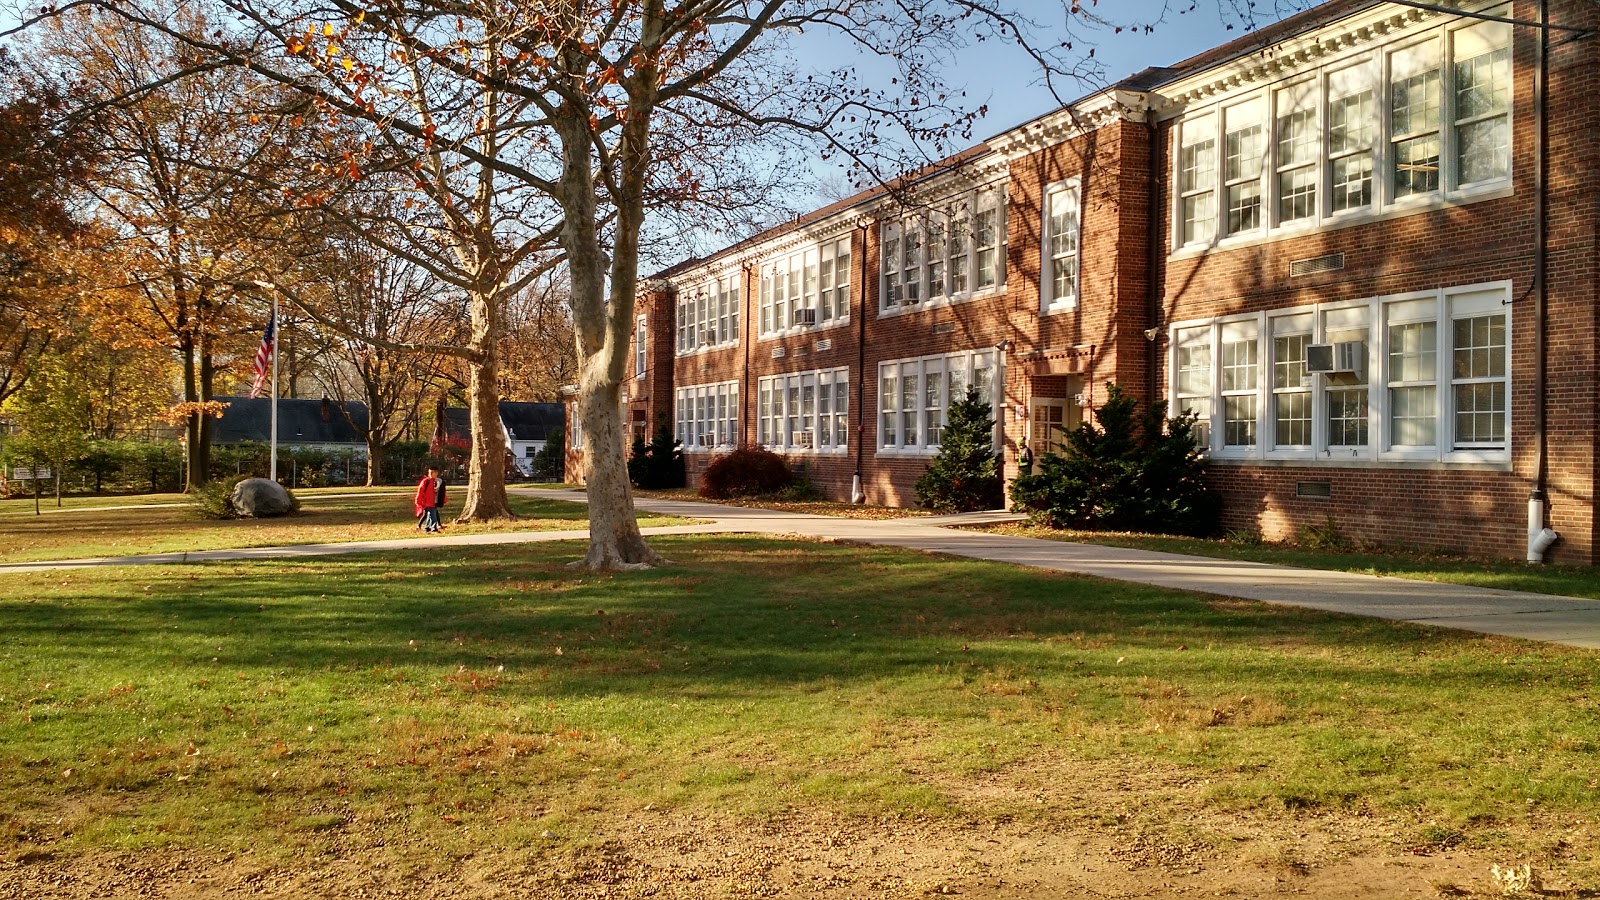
(264, 353)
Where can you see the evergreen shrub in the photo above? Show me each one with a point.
(658, 465)
(965, 476)
(745, 472)
(1138, 471)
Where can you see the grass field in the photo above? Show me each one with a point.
(114, 529)
(444, 702)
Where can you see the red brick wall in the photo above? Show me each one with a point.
(1446, 506)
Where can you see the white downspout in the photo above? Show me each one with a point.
(1539, 537)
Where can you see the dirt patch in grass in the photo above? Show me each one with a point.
(801, 854)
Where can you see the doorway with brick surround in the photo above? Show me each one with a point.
(1053, 410)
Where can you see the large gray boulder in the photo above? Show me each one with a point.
(261, 497)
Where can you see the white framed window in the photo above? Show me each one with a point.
(805, 288)
(914, 397)
(708, 314)
(943, 254)
(1290, 405)
(575, 426)
(1062, 236)
(804, 412)
(1240, 368)
(1480, 381)
(1423, 376)
(1192, 367)
(1197, 173)
(1352, 129)
(638, 348)
(1297, 152)
(706, 416)
(1421, 122)
(1346, 402)
(1244, 151)
(1482, 109)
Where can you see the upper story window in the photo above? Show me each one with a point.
(708, 314)
(1062, 232)
(1408, 125)
(807, 287)
(1422, 376)
(943, 254)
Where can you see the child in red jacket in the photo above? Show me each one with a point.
(430, 496)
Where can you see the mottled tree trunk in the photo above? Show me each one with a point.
(615, 541)
(486, 465)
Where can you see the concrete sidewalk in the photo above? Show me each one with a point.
(1560, 620)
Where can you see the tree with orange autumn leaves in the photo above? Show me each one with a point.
(595, 115)
(172, 191)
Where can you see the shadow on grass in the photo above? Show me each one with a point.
(736, 612)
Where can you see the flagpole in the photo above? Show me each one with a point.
(275, 329)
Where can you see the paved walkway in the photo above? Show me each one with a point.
(1561, 620)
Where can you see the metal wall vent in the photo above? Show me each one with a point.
(1314, 490)
(944, 327)
(1332, 262)
(824, 344)
(777, 352)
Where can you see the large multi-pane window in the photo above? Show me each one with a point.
(1291, 384)
(914, 396)
(804, 411)
(807, 287)
(1197, 173)
(1297, 152)
(1352, 124)
(1244, 143)
(1421, 376)
(1345, 397)
(1241, 370)
(1412, 344)
(1414, 123)
(1061, 239)
(1192, 347)
(1483, 101)
(946, 252)
(707, 415)
(708, 314)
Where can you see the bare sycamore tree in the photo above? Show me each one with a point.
(595, 114)
(382, 305)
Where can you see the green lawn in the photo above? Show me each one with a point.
(443, 702)
(325, 516)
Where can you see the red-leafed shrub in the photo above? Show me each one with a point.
(745, 472)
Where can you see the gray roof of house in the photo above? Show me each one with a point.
(299, 421)
(524, 421)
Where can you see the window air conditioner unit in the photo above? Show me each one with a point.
(708, 337)
(805, 317)
(1345, 358)
(804, 439)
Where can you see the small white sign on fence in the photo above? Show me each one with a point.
(23, 473)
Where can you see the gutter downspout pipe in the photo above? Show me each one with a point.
(1540, 537)
(857, 494)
